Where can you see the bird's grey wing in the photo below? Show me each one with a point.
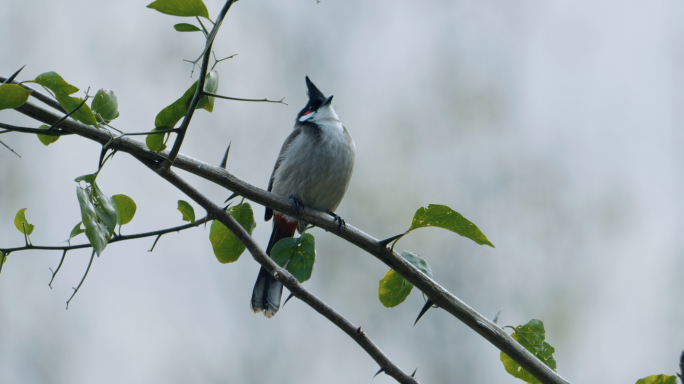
(295, 132)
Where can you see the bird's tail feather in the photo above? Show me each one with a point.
(268, 291)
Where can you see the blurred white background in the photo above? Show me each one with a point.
(555, 126)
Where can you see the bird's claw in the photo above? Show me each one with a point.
(297, 204)
(340, 222)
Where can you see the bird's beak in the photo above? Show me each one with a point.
(327, 101)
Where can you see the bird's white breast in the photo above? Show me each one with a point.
(317, 165)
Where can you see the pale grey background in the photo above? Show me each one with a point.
(555, 126)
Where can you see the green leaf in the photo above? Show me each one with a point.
(87, 178)
(169, 116)
(444, 217)
(187, 210)
(417, 262)
(13, 96)
(75, 232)
(531, 336)
(210, 85)
(157, 142)
(98, 214)
(105, 106)
(55, 83)
(227, 248)
(20, 222)
(46, 139)
(183, 27)
(299, 254)
(125, 209)
(184, 8)
(83, 114)
(393, 289)
(658, 379)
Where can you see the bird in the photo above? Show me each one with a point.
(313, 170)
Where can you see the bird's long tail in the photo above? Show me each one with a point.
(267, 290)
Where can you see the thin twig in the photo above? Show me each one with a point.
(252, 100)
(8, 147)
(112, 240)
(216, 61)
(56, 123)
(57, 270)
(92, 255)
(155, 242)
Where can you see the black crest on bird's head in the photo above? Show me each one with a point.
(316, 99)
(315, 96)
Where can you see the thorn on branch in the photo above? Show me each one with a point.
(414, 373)
(390, 239)
(495, 319)
(234, 195)
(92, 255)
(57, 270)
(288, 299)
(103, 152)
(379, 372)
(3, 259)
(425, 308)
(224, 162)
(11, 78)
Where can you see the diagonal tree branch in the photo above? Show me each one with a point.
(200, 84)
(436, 293)
(283, 275)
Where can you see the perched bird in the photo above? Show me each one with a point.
(313, 170)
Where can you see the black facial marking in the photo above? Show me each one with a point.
(316, 98)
